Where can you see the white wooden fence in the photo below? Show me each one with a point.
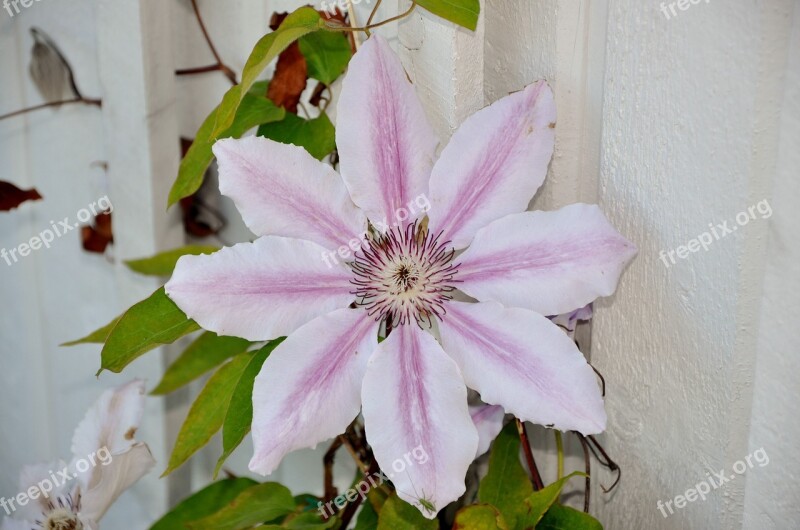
(669, 121)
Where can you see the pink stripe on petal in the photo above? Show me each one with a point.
(549, 262)
(417, 420)
(309, 388)
(260, 290)
(386, 144)
(520, 360)
(282, 190)
(493, 164)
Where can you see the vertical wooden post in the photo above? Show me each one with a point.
(446, 64)
(137, 74)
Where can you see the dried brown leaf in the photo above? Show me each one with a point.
(95, 238)
(11, 196)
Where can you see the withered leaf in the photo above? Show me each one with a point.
(11, 196)
(199, 219)
(49, 69)
(291, 73)
(97, 237)
(316, 96)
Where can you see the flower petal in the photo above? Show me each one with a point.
(488, 420)
(17, 524)
(309, 387)
(415, 401)
(114, 477)
(493, 164)
(520, 360)
(42, 474)
(111, 423)
(282, 190)
(549, 262)
(260, 290)
(569, 321)
(386, 144)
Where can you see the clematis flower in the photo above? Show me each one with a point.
(107, 461)
(410, 388)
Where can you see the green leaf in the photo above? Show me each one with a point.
(251, 111)
(397, 514)
(240, 411)
(462, 12)
(98, 336)
(253, 506)
(149, 324)
(163, 264)
(540, 501)
(506, 484)
(479, 517)
(306, 502)
(206, 352)
(367, 518)
(560, 517)
(299, 23)
(207, 412)
(304, 521)
(205, 502)
(327, 54)
(317, 136)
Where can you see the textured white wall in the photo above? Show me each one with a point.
(772, 493)
(690, 136)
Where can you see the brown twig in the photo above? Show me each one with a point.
(327, 462)
(353, 453)
(86, 101)
(588, 463)
(199, 70)
(526, 448)
(350, 511)
(219, 66)
(605, 461)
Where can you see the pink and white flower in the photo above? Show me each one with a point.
(410, 388)
(107, 460)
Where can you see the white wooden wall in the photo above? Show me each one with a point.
(669, 124)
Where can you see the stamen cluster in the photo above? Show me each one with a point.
(405, 274)
(62, 514)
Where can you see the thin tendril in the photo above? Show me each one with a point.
(331, 27)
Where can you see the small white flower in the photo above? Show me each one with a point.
(106, 461)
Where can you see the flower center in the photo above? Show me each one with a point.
(62, 514)
(405, 274)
